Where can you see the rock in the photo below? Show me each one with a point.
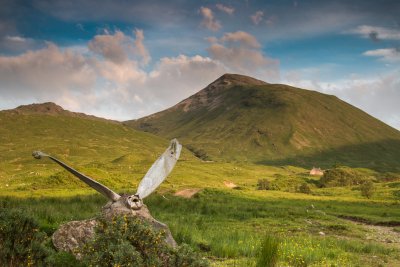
(73, 235)
(320, 212)
(118, 208)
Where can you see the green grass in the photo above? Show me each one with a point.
(276, 124)
(226, 225)
(231, 224)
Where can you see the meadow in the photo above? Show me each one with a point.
(226, 224)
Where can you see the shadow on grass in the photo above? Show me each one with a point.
(51, 212)
(383, 156)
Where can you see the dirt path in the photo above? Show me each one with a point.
(383, 234)
(378, 233)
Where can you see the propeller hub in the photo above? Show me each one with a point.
(134, 202)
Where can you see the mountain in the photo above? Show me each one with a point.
(49, 108)
(114, 154)
(239, 118)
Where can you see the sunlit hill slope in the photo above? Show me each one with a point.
(243, 119)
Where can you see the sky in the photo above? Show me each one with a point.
(123, 59)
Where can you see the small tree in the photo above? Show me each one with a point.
(367, 189)
(263, 184)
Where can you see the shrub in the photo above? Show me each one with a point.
(21, 242)
(263, 184)
(341, 176)
(305, 189)
(63, 259)
(128, 241)
(285, 183)
(269, 252)
(367, 189)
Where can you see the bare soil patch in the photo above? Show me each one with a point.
(187, 193)
(229, 184)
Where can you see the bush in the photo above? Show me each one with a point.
(367, 189)
(305, 189)
(128, 241)
(341, 176)
(21, 242)
(63, 259)
(263, 184)
(285, 183)
(269, 252)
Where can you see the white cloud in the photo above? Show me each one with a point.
(140, 47)
(257, 17)
(242, 38)
(240, 52)
(209, 21)
(376, 33)
(16, 39)
(227, 9)
(106, 78)
(111, 47)
(46, 71)
(385, 54)
(120, 48)
(15, 43)
(377, 96)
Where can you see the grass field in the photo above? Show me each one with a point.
(228, 225)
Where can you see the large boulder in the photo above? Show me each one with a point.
(71, 236)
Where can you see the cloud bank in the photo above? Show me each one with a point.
(108, 77)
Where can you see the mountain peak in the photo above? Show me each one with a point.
(237, 79)
(43, 108)
(49, 108)
(212, 95)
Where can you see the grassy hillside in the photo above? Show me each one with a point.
(86, 143)
(111, 153)
(242, 119)
(225, 224)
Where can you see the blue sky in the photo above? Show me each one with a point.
(127, 59)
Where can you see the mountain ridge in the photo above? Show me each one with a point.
(51, 109)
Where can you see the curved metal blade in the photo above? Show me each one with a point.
(160, 169)
(89, 181)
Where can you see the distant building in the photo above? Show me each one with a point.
(316, 171)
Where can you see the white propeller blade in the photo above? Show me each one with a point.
(160, 169)
(107, 192)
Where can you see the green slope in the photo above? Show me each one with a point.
(88, 143)
(242, 119)
(113, 154)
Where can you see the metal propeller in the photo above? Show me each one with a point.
(153, 178)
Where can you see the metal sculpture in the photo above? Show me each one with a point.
(131, 205)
